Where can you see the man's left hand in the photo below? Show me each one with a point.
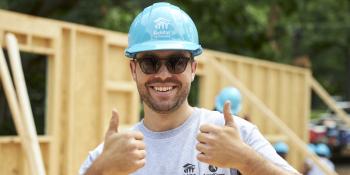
(221, 145)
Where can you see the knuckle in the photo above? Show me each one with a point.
(199, 137)
(129, 135)
(141, 163)
(204, 127)
(211, 139)
(137, 134)
(142, 146)
(202, 158)
(132, 146)
(142, 154)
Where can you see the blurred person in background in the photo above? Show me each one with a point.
(323, 151)
(281, 148)
(232, 95)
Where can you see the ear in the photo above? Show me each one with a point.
(132, 65)
(193, 69)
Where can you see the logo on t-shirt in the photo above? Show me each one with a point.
(189, 169)
(212, 168)
(214, 171)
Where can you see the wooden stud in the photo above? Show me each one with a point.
(25, 108)
(271, 116)
(103, 88)
(55, 96)
(15, 109)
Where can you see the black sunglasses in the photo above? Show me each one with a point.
(174, 64)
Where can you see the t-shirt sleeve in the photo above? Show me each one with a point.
(90, 159)
(257, 141)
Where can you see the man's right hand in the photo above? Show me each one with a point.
(123, 152)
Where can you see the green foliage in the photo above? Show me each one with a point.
(316, 114)
(117, 19)
(275, 30)
(193, 97)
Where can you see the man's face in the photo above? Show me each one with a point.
(160, 89)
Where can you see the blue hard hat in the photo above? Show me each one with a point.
(323, 150)
(311, 147)
(162, 26)
(233, 95)
(281, 147)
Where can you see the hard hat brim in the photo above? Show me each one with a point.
(195, 49)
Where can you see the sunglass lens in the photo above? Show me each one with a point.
(177, 65)
(149, 65)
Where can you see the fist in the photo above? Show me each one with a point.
(123, 153)
(220, 145)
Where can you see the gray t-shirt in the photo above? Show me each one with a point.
(174, 152)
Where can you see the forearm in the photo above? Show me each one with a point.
(254, 164)
(95, 168)
(100, 167)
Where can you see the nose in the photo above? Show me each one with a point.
(163, 72)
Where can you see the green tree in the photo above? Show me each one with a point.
(275, 30)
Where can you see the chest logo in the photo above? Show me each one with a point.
(212, 168)
(189, 168)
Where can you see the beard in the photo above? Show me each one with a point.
(168, 105)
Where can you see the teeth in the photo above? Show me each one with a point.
(163, 89)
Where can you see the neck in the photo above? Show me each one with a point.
(158, 122)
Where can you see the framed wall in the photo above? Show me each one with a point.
(88, 75)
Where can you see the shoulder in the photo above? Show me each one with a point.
(218, 118)
(209, 116)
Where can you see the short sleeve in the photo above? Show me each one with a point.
(258, 142)
(90, 159)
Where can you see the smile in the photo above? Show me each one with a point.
(163, 89)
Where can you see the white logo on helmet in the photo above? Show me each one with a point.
(161, 23)
(161, 28)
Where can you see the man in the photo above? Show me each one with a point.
(282, 149)
(175, 138)
(323, 151)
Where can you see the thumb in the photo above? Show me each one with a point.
(227, 115)
(113, 123)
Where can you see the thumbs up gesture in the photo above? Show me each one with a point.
(221, 145)
(123, 153)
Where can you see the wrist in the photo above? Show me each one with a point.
(102, 167)
(96, 168)
(250, 160)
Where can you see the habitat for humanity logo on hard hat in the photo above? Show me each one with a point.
(161, 28)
